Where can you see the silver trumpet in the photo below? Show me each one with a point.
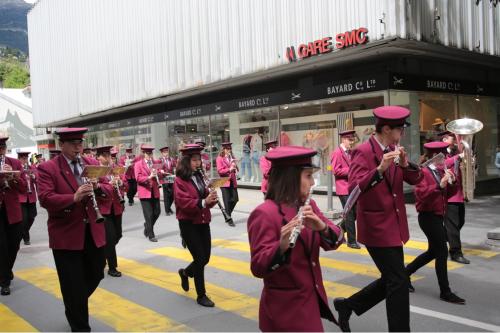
(296, 231)
(227, 218)
(99, 217)
(156, 177)
(28, 176)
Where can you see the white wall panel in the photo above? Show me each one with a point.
(92, 55)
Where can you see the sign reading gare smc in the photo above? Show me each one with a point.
(325, 45)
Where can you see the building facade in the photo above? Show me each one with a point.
(175, 72)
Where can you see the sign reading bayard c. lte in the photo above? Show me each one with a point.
(325, 45)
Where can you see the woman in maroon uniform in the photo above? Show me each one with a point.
(293, 298)
(192, 207)
(431, 202)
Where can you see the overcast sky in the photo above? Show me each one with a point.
(30, 1)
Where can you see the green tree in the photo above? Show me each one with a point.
(13, 75)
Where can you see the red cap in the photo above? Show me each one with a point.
(164, 148)
(22, 154)
(147, 148)
(444, 133)
(436, 146)
(128, 150)
(226, 144)
(87, 150)
(38, 155)
(391, 115)
(347, 133)
(201, 143)
(3, 139)
(104, 149)
(114, 152)
(191, 149)
(291, 155)
(70, 133)
(271, 143)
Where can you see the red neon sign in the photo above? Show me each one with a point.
(322, 46)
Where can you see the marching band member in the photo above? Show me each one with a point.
(455, 214)
(205, 158)
(168, 165)
(379, 170)
(148, 188)
(128, 160)
(341, 159)
(88, 153)
(293, 298)
(431, 202)
(112, 210)
(28, 199)
(114, 159)
(53, 153)
(265, 165)
(226, 167)
(39, 159)
(11, 217)
(192, 206)
(76, 239)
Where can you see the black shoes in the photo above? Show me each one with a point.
(460, 259)
(114, 273)
(411, 288)
(170, 212)
(27, 242)
(452, 298)
(344, 312)
(184, 280)
(354, 245)
(230, 223)
(130, 203)
(5, 291)
(205, 301)
(153, 239)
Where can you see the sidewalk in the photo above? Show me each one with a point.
(481, 215)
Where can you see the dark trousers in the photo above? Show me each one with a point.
(392, 285)
(168, 196)
(455, 219)
(349, 223)
(433, 228)
(10, 238)
(29, 214)
(79, 275)
(113, 225)
(132, 190)
(230, 198)
(151, 211)
(199, 244)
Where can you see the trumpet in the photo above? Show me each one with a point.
(296, 231)
(117, 189)
(99, 217)
(227, 218)
(28, 176)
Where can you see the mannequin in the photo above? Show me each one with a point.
(246, 168)
(256, 152)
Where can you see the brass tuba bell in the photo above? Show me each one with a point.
(464, 130)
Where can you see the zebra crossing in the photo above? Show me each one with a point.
(148, 297)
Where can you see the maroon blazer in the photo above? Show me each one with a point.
(26, 196)
(112, 203)
(429, 195)
(67, 219)
(10, 197)
(265, 167)
(188, 202)
(381, 212)
(223, 166)
(340, 169)
(293, 298)
(145, 186)
(168, 165)
(129, 174)
(205, 158)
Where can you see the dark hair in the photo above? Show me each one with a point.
(284, 184)
(184, 170)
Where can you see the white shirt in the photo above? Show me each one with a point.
(71, 166)
(380, 144)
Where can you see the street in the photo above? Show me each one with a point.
(148, 296)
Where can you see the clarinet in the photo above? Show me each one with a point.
(118, 192)
(6, 185)
(28, 177)
(99, 217)
(227, 218)
(296, 231)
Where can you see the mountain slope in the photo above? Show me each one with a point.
(13, 24)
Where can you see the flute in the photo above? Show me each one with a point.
(296, 231)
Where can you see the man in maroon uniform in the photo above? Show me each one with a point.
(341, 160)
(128, 160)
(28, 198)
(76, 239)
(10, 216)
(168, 166)
(379, 168)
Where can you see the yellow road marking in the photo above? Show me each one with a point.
(110, 308)
(467, 251)
(243, 268)
(341, 265)
(225, 299)
(11, 322)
